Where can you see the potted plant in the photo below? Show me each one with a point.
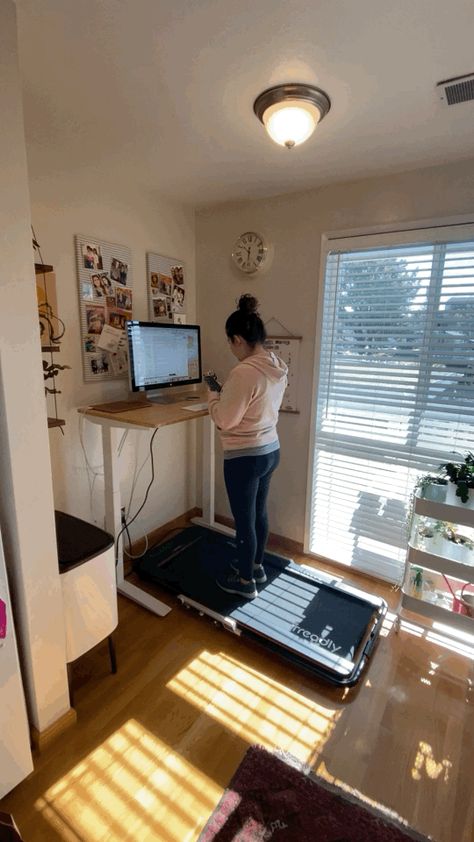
(462, 475)
(431, 486)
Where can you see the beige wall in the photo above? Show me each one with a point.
(288, 291)
(65, 204)
(26, 501)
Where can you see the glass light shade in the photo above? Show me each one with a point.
(291, 122)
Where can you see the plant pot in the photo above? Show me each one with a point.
(454, 500)
(435, 492)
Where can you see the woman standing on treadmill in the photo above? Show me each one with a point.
(245, 413)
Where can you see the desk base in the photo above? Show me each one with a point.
(143, 598)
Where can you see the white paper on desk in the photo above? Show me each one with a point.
(110, 338)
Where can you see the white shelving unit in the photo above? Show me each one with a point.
(437, 555)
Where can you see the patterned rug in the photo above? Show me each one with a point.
(269, 799)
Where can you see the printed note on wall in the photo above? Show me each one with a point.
(287, 348)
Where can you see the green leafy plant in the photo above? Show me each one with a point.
(462, 475)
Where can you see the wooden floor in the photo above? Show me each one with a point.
(156, 744)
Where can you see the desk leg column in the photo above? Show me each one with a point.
(113, 521)
(113, 501)
(208, 471)
(208, 481)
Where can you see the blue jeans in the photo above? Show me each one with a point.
(247, 480)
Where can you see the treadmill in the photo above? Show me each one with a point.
(305, 616)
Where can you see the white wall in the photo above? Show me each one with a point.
(65, 204)
(26, 501)
(289, 290)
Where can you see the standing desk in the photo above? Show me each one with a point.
(149, 418)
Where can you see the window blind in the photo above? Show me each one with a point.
(395, 393)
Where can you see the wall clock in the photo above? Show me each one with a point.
(250, 252)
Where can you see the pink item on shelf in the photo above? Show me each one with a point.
(462, 603)
(3, 620)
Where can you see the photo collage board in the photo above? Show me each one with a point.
(106, 303)
(166, 289)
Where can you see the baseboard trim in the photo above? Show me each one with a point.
(41, 739)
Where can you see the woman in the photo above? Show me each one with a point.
(246, 413)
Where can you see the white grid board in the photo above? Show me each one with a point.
(166, 283)
(95, 312)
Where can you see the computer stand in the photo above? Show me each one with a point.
(167, 398)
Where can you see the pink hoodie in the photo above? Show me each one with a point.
(246, 410)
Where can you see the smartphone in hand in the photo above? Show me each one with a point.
(212, 381)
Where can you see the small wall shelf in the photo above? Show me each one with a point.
(56, 422)
(43, 268)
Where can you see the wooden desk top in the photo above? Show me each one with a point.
(152, 415)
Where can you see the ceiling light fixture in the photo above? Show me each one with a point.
(290, 113)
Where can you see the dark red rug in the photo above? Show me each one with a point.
(269, 799)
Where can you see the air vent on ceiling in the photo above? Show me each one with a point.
(455, 91)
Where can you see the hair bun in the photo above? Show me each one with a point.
(248, 304)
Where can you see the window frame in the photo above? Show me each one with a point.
(430, 231)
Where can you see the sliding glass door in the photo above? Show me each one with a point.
(394, 388)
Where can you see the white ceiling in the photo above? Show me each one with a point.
(159, 93)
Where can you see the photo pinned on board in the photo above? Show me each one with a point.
(160, 310)
(177, 304)
(164, 284)
(87, 293)
(118, 271)
(100, 364)
(92, 256)
(95, 317)
(124, 298)
(177, 274)
(90, 343)
(154, 281)
(117, 318)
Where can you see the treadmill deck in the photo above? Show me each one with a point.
(309, 617)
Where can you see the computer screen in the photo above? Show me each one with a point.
(163, 355)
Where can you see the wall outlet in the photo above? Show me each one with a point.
(122, 514)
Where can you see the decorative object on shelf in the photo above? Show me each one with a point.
(105, 282)
(166, 278)
(291, 112)
(52, 330)
(463, 603)
(250, 252)
(462, 475)
(286, 346)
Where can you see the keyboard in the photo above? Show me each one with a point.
(196, 407)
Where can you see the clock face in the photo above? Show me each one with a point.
(249, 252)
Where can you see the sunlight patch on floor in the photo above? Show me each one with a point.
(132, 787)
(254, 706)
(426, 765)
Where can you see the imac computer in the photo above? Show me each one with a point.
(162, 356)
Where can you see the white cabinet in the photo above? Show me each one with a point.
(440, 555)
